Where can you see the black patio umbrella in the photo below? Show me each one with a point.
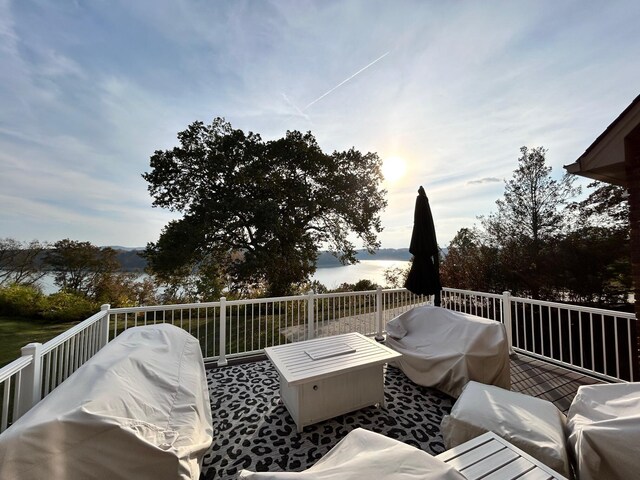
(424, 276)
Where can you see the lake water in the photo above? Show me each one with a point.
(331, 278)
(372, 270)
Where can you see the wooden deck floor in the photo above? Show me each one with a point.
(545, 380)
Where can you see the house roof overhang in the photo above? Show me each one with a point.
(604, 159)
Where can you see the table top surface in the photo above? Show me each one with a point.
(493, 458)
(310, 360)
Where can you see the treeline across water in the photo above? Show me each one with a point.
(82, 276)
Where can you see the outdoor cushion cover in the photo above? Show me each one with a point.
(445, 349)
(367, 455)
(138, 409)
(534, 425)
(604, 431)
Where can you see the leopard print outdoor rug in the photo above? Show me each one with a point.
(253, 430)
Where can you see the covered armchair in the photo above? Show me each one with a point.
(444, 349)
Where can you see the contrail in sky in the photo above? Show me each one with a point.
(295, 107)
(345, 81)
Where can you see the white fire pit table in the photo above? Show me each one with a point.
(327, 377)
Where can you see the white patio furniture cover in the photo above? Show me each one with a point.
(604, 431)
(445, 349)
(367, 455)
(534, 425)
(139, 409)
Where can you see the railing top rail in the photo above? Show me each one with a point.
(471, 292)
(186, 306)
(63, 337)
(12, 368)
(158, 308)
(570, 306)
(346, 294)
(249, 301)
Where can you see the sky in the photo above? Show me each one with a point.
(445, 93)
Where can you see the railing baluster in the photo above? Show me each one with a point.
(616, 351)
(580, 338)
(6, 395)
(222, 360)
(570, 331)
(604, 345)
(632, 375)
(592, 345)
(551, 330)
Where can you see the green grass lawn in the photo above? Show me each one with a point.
(16, 332)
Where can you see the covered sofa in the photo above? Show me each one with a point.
(446, 349)
(138, 409)
(604, 431)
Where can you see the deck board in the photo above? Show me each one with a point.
(547, 381)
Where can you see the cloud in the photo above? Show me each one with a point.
(89, 92)
(484, 180)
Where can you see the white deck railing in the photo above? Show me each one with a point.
(596, 342)
(42, 367)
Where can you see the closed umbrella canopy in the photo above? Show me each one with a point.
(424, 276)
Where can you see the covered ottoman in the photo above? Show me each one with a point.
(534, 425)
(445, 349)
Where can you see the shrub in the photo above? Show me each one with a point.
(68, 307)
(21, 300)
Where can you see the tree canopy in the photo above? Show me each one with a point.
(541, 244)
(531, 208)
(256, 213)
(530, 213)
(80, 267)
(19, 261)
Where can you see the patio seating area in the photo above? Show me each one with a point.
(253, 429)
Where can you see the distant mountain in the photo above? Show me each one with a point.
(131, 261)
(124, 249)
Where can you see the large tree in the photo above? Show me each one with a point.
(528, 219)
(258, 212)
(80, 267)
(532, 207)
(20, 262)
(595, 257)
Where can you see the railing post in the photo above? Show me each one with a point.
(31, 379)
(104, 334)
(311, 324)
(506, 318)
(222, 359)
(379, 309)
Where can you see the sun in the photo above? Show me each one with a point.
(393, 168)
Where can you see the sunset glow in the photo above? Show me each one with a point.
(393, 168)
